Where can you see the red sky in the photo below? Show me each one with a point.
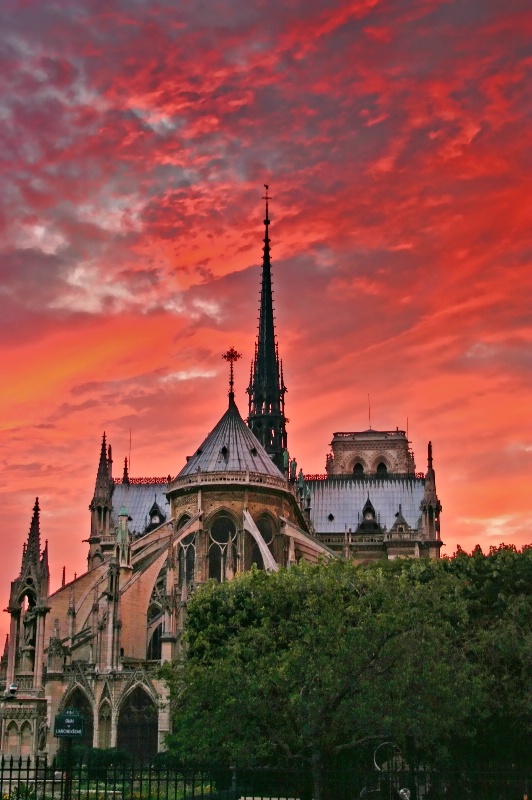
(135, 139)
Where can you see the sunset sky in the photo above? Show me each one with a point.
(135, 139)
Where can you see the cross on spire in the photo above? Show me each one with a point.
(266, 197)
(231, 356)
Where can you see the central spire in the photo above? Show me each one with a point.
(266, 387)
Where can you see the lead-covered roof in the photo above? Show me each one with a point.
(231, 447)
(336, 505)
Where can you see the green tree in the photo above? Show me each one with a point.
(498, 590)
(316, 660)
(497, 641)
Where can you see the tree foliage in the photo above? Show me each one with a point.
(497, 642)
(316, 662)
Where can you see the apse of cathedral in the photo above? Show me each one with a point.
(97, 642)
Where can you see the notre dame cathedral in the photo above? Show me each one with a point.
(96, 643)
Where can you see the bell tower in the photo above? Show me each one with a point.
(266, 390)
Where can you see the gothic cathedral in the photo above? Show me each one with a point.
(96, 643)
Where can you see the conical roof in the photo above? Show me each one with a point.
(231, 447)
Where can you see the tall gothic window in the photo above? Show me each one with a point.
(382, 469)
(154, 647)
(187, 559)
(265, 526)
(358, 469)
(137, 726)
(222, 548)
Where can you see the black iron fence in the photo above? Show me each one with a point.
(120, 779)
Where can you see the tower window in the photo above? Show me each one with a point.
(382, 469)
(358, 469)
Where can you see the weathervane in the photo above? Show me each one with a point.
(231, 356)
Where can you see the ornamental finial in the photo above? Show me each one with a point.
(231, 356)
(266, 197)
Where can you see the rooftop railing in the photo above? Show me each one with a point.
(366, 476)
(243, 477)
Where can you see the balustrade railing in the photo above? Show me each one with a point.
(144, 481)
(229, 477)
(364, 477)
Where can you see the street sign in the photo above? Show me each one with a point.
(69, 724)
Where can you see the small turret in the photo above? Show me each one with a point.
(430, 505)
(101, 507)
(101, 504)
(32, 550)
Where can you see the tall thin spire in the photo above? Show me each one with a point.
(33, 549)
(430, 505)
(102, 466)
(104, 474)
(125, 476)
(266, 387)
(101, 503)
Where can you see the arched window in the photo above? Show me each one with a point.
(96, 560)
(183, 521)
(104, 725)
(137, 726)
(358, 469)
(382, 469)
(222, 548)
(154, 611)
(265, 526)
(187, 559)
(154, 647)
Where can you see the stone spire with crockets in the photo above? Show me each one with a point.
(266, 387)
